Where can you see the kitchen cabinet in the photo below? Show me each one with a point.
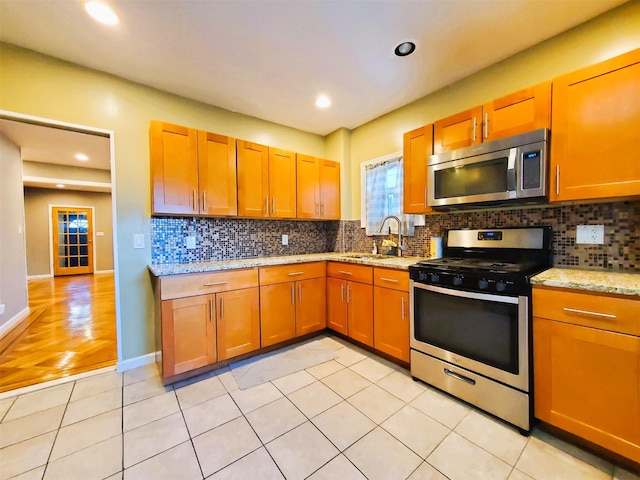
(318, 188)
(587, 366)
(266, 181)
(292, 301)
(417, 147)
(519, 112)
(192, 172)
(391, 312)
(208, 317)
(595, 151)
(350, 300)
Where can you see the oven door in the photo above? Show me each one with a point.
(484, 333)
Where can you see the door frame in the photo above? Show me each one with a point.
(51, 230)
(48, 122)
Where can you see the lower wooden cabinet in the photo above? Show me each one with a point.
(391, 313)
(238, 322)
(587, 367)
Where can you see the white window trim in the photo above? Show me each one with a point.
(419, 219)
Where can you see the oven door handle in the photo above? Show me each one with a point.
(464, 294)
(457, 376)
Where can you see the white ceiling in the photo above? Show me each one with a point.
(270, 58)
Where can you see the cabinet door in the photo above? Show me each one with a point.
(418, 146)
(337, 305)
(311, 305)
(587, 382)
(188, 334)
(238, 313)
(460, 130)
(217, 174)
(520, 112)
(595, 151)
(277, 313)
(282, 183)
(391, 322)
(329, 190)
(308, 186)
(174, 168)
(253, 179)
(360, 312)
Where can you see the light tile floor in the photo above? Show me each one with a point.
(355, 417)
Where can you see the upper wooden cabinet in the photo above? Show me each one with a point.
(318, 188)
(418, 146)
(519, 112)
(595, 149)
(266, 181)
(192, 172)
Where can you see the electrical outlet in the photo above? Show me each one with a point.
(1, 308)
(138, 240)
(285, 239)
(191, 243)
(590, 234)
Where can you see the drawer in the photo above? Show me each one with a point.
(594, 310)
(188, 285)
(391, 278)
(350, 271)
(292, 272)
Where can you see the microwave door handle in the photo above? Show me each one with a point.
(511, 173)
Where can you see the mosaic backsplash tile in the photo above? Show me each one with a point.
(228, 238)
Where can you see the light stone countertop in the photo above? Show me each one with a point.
(385, 261)
(590, 280)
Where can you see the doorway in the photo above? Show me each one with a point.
(74, 297)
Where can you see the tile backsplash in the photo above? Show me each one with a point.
(229, 238)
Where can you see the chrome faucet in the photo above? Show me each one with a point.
(399, 231)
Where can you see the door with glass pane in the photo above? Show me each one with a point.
(72, 241)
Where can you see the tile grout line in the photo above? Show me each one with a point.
(188, 432)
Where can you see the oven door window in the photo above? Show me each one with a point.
(481, 330)
(473, 179)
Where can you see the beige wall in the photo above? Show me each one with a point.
(13, 274)
(609, 35)
(37, 202)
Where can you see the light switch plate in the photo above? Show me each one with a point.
(191, 242)
(590, 234)
(285, 239)
(1, 308)
(138, 240)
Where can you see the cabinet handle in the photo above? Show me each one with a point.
(557, 179)
(475, 123)
(342, 292)
(293, 295)
(273, 205)
(213, 284)
(204, 200)
(211, 310)
(344, 272)
(317, 209)
(299, 293)
(392, 280)
(322, 209)
(266, 205)
(586, 312)
(348, 293)
(402, 308)
(486, 125)
(293, 274)
(221, 308)
(425, 196)
(195, 201)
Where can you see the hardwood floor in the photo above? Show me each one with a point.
(73, 331)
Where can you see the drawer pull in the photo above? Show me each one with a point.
(213, 284)
(392, 280)
(293, 274)
(344, 272)
(586, 312)
(457, 376)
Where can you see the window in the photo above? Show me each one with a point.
(382, 195)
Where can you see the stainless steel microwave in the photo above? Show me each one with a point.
(509, 170)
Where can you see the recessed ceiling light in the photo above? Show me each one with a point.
(101, 12)
(82, 157)
(59, 185)
(323, 101)
(404, 49)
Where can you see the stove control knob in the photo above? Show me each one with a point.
(483, 284)
(501, 286)
(435, 278)
(422, 276)
(457, 281)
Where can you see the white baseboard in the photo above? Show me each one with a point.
(7, 326)
(46, 275)
(98, 272)
(136, 362)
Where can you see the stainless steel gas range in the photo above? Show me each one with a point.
(471, 318)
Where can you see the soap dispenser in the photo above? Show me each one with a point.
(374, 250)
